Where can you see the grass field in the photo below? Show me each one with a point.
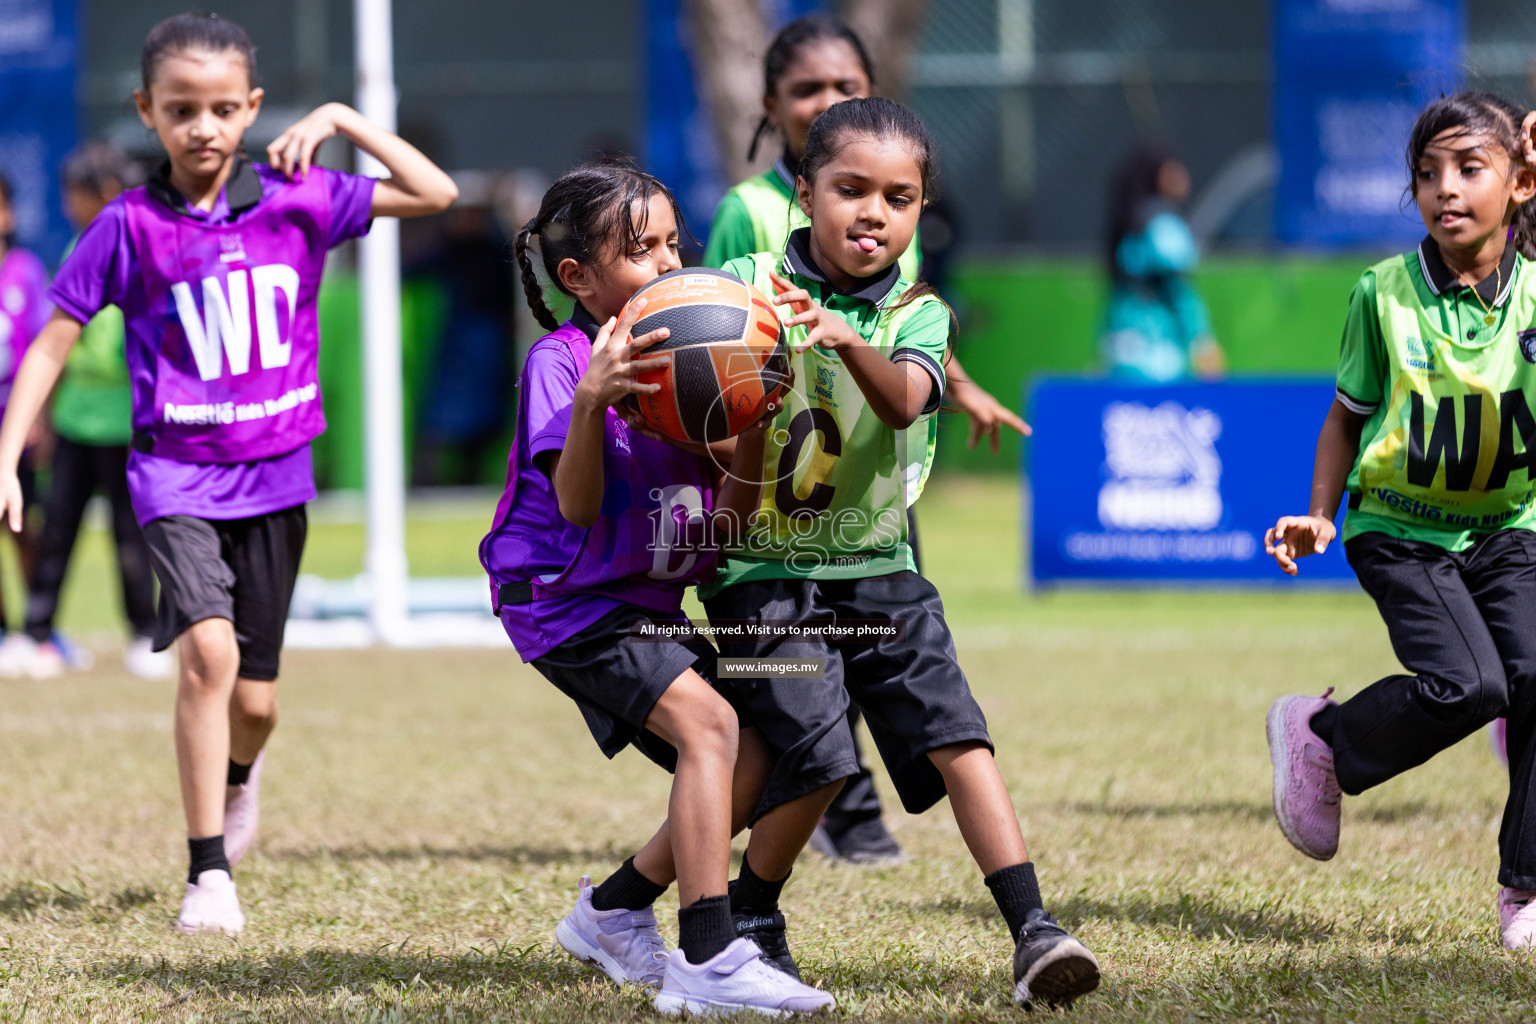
(427, 815)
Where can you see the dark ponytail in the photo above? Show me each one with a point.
(190, 33)
(1476, 113)
(786, 46)
(587, 215)
(876, 118)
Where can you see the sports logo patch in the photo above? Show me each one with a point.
(1528, 344)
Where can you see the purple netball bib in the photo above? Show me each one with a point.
(649, 542)
(236, 336)
(23, 311)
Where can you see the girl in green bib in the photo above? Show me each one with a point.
(1432, 435)
(812, 63)
(823, 575)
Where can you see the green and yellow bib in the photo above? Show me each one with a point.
(1446, 454)
(839, 480)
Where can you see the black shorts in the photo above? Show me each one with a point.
(242, 570)
(616, 679)
(911, 689)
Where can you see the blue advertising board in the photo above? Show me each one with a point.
(1171, 484)
(37, 115)
(1350, 77)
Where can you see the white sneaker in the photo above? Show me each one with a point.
(623, 944)
(242, 813)
(211, 906)
(17, 652)
(47, 662)
(735, 979)
(141, 659)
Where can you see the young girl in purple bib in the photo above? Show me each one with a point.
(24, 310)
(215, 264)
(599, 532)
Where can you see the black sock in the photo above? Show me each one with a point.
(1016, 892)
(1324, 722)
(239, 774)
(626, 889)
(750, 891)
(704, 928)
(207, 855)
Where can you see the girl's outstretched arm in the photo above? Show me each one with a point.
(39, 371)
(1292, 537)
(416, 186)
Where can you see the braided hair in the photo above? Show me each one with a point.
(586, 214)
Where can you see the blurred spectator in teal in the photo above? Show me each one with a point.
(1156, 328)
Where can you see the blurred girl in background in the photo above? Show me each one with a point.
(1156, 328)
(23, 311)
(92, 416)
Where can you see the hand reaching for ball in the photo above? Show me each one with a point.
(616, 362)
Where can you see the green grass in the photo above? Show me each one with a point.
(427, 815)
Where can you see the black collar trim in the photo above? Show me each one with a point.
(797, 260)
(1441, 281)
(584, 320)
(788, 169)
(242, 191)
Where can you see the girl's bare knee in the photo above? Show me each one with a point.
(712, 732)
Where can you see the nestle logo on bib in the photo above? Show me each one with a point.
(1528, 344)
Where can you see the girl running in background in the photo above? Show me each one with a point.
(215, 264)
(814, 62)
(600, 531)
(24, 310)
(92, 420)
(828, 545)
(1432, 435)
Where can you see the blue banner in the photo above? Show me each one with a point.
(1349, 79)
(37, 116)
(1171, 484)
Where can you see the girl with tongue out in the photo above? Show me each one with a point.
(828, 545)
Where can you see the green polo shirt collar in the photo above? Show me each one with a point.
(797, 261)
(1493, 289)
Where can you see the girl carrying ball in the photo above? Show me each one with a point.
(215, 264)
(828, 547)
(813, 62)
(600, 531)
(1431, 435)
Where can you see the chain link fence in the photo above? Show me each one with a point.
(1033, 102)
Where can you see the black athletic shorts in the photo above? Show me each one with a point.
(616, 679)
(911, 689)
(242, 570)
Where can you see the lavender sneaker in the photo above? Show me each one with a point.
(242, 813)
(735, 979)
(1498, 739)
(1517, 918)
(1307, 793)
(623, 944)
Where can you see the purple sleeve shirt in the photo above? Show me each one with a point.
(351, 204)
(104, 269)
(97, 272)
(24, 309)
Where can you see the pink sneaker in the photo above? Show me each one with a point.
(1307, 793)
(1517, 918)
(242, 813)
(1498, 739)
